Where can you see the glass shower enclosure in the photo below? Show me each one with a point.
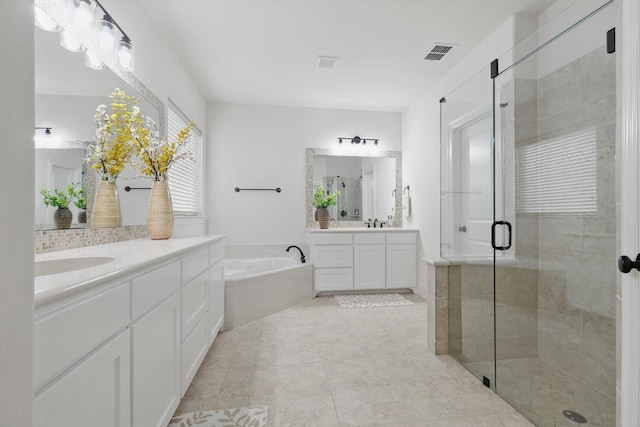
(529, 221)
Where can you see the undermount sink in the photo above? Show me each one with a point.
(63, 265)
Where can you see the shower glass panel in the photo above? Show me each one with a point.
(466, 148)
(466, 189)
(555, 114)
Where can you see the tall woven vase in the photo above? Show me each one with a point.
(160, 216)
(106, 207)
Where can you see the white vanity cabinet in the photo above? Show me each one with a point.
(363, 259)
(122, 351)
(155, 365)
(402, 261)
(332, 257)
(88, 340)
(369, 260)
(216, 293)
(194, 337)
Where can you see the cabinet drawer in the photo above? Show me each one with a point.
(331, 238)
(332, 256)
(368, 238)
(193, 350)
(194, 302)
(401, 238)
(216, 253)
(194, 264)
(69, 334)
(149, 290)
(333, 279)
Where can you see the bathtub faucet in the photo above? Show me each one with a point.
(302, 260)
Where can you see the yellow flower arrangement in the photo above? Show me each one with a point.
(113, 145)
(155, 155)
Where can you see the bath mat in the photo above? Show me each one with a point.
(373, 300)
(245, 417)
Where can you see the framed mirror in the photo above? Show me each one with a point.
(67, 93)
(370, 186)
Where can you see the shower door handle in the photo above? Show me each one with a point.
(493, 235)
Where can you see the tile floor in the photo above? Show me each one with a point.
(317, 364)
(542, 392)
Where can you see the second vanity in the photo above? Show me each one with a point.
(119, 343)
(347, 259)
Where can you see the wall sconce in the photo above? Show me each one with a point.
(357, 140)
(87, 27)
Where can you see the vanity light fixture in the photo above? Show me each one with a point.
(357, 140)
(69, 42)
(93, 61)
(104, 40)
(47, 129)
(45, 22)
(84, 12)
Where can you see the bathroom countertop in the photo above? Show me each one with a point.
(360, 230)
(130, 256)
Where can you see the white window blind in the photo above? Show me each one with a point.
(184, 176)
(558, 175)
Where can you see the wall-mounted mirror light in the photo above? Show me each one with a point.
(357, 140)
(86, 27)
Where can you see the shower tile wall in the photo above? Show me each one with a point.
(576, 252)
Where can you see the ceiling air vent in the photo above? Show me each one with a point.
(438, 52)
(327, 62)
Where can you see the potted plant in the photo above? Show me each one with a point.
(322, 199)
(62, 217)
(109, 153)
(81, 203)
(154, 157)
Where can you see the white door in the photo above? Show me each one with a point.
(473, 227)
(629, 296)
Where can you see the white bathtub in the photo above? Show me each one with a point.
(244, 268)
(259, 287)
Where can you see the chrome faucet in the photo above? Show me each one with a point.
(302, 260)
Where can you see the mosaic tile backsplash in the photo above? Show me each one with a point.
(57, 240)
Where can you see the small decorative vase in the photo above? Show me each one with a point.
(82, 216)
(62, 218)
(106, 207)
(323, 217)
(160, 216)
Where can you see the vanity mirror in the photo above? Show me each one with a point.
(370, 186)
(67, 93)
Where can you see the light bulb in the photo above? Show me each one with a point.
(44, 21)
(125, 54)
(93, 61)
(70, 43)
(84, 14)
(106, 39)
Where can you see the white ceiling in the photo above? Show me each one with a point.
(264, 51)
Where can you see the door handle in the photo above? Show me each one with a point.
(493, 235)
(625, 264)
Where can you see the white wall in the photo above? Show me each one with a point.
(421, 132)
(253, 146)
(16, 228)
